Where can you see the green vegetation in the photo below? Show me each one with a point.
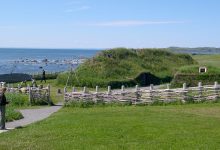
(208, 60)
(49, 76)
(194, 69)
(127, 67)
(15, 101)
(12, 114)
(130, 127)
(191, 76)
(20, 101)
(53, 87)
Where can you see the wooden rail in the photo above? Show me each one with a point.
(145, 96)
(35, 94)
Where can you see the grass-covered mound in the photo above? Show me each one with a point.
(127, 67)
(191, 76)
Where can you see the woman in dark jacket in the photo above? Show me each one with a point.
(3, 103)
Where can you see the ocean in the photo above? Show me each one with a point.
(32, 61)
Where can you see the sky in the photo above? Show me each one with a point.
(109, 23)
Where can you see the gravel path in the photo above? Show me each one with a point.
(33, 115)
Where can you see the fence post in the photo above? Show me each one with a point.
(74, 89)
(84, 90)
(168, 95)
(48, 98)
(168, 86)
(200, 91)
(64, 93)
(137, 94)
(109, 90)
(136, 88)
(122, 88)
(151, 87)
(185, 91)
(96, 89)
(216, 90)
(151, 92)
(30, 94)
(64, 90)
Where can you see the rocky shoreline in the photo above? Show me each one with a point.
(48, 61)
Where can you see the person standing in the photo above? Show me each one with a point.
(3, 103)
(43, 76)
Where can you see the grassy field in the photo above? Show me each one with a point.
(211, 60)
(154, 127)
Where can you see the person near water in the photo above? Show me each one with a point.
(3, 103)
(43, 76)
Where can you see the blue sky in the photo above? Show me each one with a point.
(109, 23)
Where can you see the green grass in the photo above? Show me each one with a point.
(124, 66)
(210, 60)
(194, 69)
(20, 101)
(191, 76)
(16, 101)
(54, 87)
(135, 128)
(12, 114)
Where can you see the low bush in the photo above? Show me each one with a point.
(16, 99)
(12, 114)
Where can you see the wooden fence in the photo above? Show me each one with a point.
(36, 95)
(146, 96)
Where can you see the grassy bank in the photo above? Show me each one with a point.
(155, 127)
(127, 67)
(210, 60)
(191, 75)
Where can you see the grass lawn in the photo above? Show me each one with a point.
(211, 60)
(153, 127)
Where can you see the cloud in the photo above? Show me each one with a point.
(134, 23)
(81, 8)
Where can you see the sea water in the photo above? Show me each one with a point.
(32, 61)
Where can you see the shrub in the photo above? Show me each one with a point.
(12, 114)
(16, 99)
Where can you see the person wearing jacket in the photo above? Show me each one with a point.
(3, 103)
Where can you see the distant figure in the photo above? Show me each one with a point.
(43, 76)
(3, 103)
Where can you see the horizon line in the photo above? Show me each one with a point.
(59, 48)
